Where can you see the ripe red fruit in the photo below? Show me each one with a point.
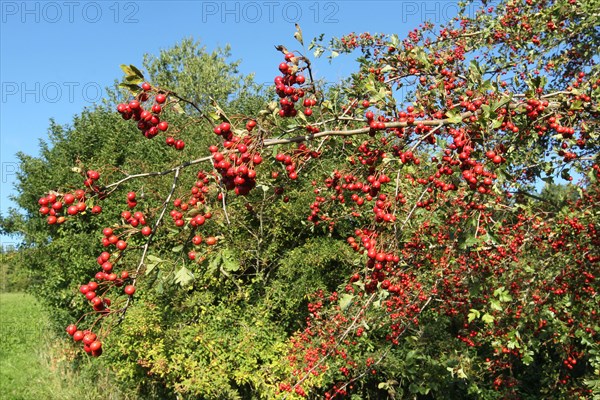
(284, 68)
(134, 104)
(71, 329)
(211, 240)
(72, 210)
(78, 336)
(129, 290)
(69, 198)
(97, 353)
(160, 98)
(95, 345)
(89, 338)
(192, 255)
(225, 127)
(180, 144)
(146, 86)
(163, 125)
(146, 231)
(121, 245)
(131, 196)
(90, 295)
(300, 79)
(96, 209)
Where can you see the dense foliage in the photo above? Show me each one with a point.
(382, 237)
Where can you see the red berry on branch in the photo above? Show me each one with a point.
(163, 126)
(71, 329)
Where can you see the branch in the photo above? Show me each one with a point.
(141, 264)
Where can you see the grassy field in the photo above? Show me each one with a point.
(32, 360)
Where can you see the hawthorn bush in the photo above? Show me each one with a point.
(381, 237)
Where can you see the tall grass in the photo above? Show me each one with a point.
(36, 365)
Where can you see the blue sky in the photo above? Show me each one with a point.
(58, 56)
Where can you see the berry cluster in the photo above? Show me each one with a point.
(89, 339)
(196, 217)
(148, 121)
(284, 86)
(301, 154)
(237, 169)
(105, 279)
(53, 204)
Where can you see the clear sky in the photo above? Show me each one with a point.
(57, 57)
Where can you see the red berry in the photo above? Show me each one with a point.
(284, 68)
(163, 125)
(129, 290)
(89, 338)
(160, 98)
(71, 329)
(78, 336)
(95, 346)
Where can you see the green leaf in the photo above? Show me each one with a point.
(136, 71)
(495, 305)
(473, 314)
(177, 248)
(127, 70)
(345, 301)
(487, 318)
(133, 79)
(527, 357)
(214, 263)
(133, 88)
(228, 261)
(131, 71)
(453, 117)
(184, 276)
(153, 262)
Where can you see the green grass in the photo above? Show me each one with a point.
(34, 364)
